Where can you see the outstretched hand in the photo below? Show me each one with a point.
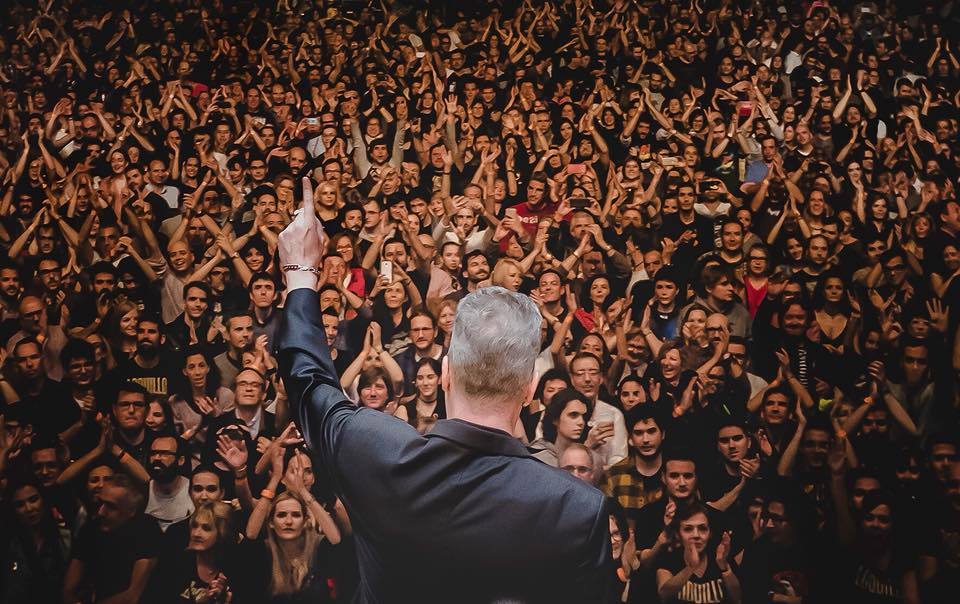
(301, 243)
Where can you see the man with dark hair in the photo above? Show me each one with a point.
(129, 413)
(635, 481)
(239, 338)
(169, 490)
(194, 323)
(264, 296)
(423, 337)
(147, 366)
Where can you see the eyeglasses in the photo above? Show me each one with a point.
(578, 469)
(586, 372)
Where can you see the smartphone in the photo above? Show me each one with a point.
(510, 212)
(712, 185)
(313, 121)
(670, 162)
(579, 203)
(260, 121)
(386, 269)
(576, 169)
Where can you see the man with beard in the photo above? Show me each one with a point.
(147, 366)
(115, 553)
(169, 493)
(423, 336)
(10, 290)
(476, 270)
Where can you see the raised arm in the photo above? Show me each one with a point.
(318, 405)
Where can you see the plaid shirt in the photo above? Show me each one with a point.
(632, 489)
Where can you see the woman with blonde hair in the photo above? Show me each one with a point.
(508, 273)
(205, 573)
(296, 526)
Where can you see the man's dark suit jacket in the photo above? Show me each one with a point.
(463, 514)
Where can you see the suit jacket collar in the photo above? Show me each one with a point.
(473, 436)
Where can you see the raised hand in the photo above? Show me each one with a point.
(301, 243)
(235, 456)
(723, 551)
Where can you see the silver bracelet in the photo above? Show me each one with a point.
(299, 267)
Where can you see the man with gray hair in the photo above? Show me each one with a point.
(466, 500)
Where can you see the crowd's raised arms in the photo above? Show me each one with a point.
(739, 222)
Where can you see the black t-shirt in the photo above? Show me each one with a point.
(708, 589)
(154, 379)
(108, 557)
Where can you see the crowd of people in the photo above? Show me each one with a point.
(738, 218)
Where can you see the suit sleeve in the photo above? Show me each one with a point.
(593, 583)
(318, 405)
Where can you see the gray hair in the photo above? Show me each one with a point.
(495, 342)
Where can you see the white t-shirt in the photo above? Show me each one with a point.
(168, 509)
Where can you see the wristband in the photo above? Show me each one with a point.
(267, 494)
(299, 267)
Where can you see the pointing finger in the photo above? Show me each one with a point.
(307, 206)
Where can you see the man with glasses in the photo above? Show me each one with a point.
(610, 440)
(423, 336)
(129, 414)
(250, 391)
(169, 498)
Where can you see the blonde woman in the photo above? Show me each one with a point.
(296, 525)
(204, 573)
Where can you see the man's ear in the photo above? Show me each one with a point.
(531, 389)
(445, 375)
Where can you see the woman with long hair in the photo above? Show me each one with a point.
(446, 313)
(296, 526)
(197, 395)
(833, 312)
(756, 277)
(565, 421)
(35, 550)
(204, 574)
(121, 329)
(426, 405)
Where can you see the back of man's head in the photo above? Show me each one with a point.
(496, 339)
